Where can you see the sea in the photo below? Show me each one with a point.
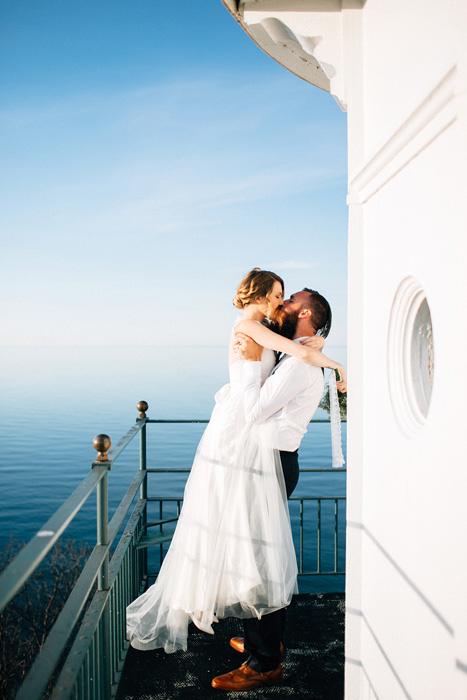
(55, 400)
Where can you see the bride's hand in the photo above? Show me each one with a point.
(342, 383)
(246, 348)
(314, 341)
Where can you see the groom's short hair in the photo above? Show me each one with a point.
(322, 316)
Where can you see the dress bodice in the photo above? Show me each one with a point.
(268, 361)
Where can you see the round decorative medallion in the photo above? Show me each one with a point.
(410, 356)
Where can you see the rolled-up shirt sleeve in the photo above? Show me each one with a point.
(261, 402)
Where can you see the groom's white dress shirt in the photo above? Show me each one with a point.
(289, 397)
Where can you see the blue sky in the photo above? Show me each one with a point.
(151, 155)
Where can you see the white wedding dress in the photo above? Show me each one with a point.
(232, 553)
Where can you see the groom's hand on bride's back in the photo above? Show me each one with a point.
(246, 348)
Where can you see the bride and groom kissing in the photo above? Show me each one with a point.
(232, 554)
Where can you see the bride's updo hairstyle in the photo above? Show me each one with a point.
(256, 284)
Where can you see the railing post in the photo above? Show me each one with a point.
(336, 524)
(102, 443)
(319, 536)
(301, 536)
(142, 408)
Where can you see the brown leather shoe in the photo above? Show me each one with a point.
(238, 644)
(245, 678)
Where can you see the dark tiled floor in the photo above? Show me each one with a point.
(313, 668)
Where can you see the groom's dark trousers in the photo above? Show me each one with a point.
(262, 638)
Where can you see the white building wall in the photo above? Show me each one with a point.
(407, 49)
(407, 637)
(399, 67)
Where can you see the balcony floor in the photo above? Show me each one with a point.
(313, 667)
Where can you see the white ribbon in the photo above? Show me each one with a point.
(335, 414)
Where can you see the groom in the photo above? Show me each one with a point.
(289, 397)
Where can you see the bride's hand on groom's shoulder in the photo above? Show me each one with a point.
(342, 383)
(246, 348)
(314, 341)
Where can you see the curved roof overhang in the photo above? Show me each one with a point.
(304, 36)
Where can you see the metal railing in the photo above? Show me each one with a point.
(94, 664)
(318, 500)
(164, 536)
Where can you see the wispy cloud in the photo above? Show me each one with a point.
(165, 158)
(186, 184)
(291, 265)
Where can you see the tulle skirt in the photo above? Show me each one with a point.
(232, 553)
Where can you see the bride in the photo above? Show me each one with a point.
(232, 553)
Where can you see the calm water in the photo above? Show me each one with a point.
(55, 400)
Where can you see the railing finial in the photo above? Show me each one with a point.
(102, 444)
(142, 408)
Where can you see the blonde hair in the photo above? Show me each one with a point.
(256, 284)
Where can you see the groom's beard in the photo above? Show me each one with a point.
(284, 324)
